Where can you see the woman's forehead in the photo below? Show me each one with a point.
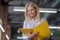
(30, 8)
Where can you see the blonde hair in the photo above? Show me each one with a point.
(35, 6)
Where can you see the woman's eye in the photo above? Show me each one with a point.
(30, 10)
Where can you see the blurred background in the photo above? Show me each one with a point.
(12, 17)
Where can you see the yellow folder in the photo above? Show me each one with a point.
(26, 30)
(42, 28)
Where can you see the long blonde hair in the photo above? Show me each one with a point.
(35, 6)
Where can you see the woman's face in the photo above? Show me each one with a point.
(31, 11)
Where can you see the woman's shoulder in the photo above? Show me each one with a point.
(42, 20)
(25, 21)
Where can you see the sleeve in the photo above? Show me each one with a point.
(24, 24)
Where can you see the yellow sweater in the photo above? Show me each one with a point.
(43, 30)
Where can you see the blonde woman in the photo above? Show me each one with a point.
(32, 18)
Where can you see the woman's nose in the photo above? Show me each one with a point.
(30, 11)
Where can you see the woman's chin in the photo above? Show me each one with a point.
(32, 17)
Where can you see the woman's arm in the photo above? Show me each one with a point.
(34, 35)
(24, 24)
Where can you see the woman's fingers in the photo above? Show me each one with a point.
(34, 34)
(31, 32)
(29, 37)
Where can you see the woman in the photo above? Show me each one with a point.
(32, 19)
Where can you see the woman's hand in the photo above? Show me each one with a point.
(31, 36)
(34, 34)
